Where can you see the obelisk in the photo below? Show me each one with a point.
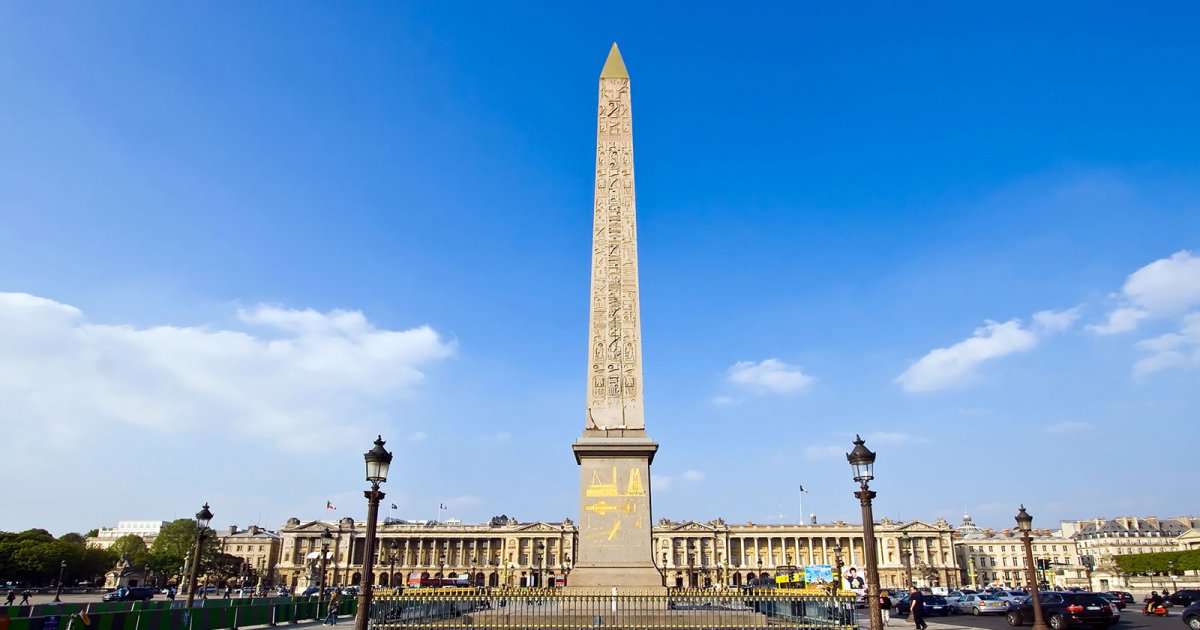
(614, 452)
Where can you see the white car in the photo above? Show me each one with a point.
(1011, 598)
(982, 604)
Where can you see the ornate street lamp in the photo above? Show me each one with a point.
(862, 461)
(537, 561)
(393, 554)
(664, 568)
(837, 560)
(378, 460)
(203, 518)
(1170, 572)
(472, 574)
(1025, 524)
(62, 566)
(906, 556)
(442, 564)
(326, 537)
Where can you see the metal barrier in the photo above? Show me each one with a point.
(567, 609)
(211, 614)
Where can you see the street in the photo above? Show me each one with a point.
(1131, 619)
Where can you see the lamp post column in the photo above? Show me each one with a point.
(1025, 524)
(378, 460)
(202, 519)
(864, 496)
(862, 460)
(373, 497)
(62, 567)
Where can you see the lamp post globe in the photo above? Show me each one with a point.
(377, 461)
(1025, 525)
(862, 463)
(203, 518)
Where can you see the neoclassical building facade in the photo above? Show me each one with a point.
(688, 553)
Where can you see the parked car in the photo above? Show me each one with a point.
(1115, 600)
(1126, 596)
(1012, 598)
(982, 604)
(131, 594)
(312, 590)
(1191, 616)
(1185, 597)
(1064, 609)
(933, 605)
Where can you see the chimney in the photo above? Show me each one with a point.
(253, 530)
(232, 529)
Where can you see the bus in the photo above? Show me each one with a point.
(420, 580)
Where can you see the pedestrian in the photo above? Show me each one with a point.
(12, 597)
(916, 608)
(885, 607)
(171, 593)
(25, 597)
(228, 591)
(334, 603)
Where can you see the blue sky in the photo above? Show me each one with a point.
(240, 241)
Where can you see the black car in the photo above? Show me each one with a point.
(1126, 596)
(1191, 616)
(1062, 609)
(933, 605)
(131, 594)
(1185, 597)
(1114, 599)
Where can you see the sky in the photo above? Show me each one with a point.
(238, 242)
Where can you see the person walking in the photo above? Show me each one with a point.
(335, 602)
(12, 597)
(885, 607)
(916, 608)
(25, 597)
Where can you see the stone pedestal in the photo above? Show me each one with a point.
(615, 545)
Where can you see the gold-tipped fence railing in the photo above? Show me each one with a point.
(569, 608)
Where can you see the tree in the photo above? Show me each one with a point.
(133, 547)
(92, 533)
(73, 538)
(222, 567)
(174, 544)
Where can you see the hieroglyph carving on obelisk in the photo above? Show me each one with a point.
(614, 399)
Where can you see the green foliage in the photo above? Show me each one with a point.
(72, 537)
(222, 566)
(92, 533)
(1158, 562)
(132, 547)
(35, 557)
(174, 545)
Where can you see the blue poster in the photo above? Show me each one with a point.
(817, 574)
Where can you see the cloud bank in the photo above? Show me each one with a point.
(958, 364)
(770, 376)
(299, 374)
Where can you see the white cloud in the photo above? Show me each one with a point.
(503, 436)
(1120, 320)
(724, 401)
(955, 365)
(67, 377)
(1172, 350)
(660, 483)
(693, 476)
(1163, 288)
(1056, 321)
(417, 436)
(1067, 427)
(769, 376)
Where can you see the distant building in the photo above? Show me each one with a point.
(106, 536)
(257, 547)
(1123, 535)
(505, 551)
(989, 557)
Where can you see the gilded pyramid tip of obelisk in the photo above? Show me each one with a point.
(614, 66)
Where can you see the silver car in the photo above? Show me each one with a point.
(981, 604)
